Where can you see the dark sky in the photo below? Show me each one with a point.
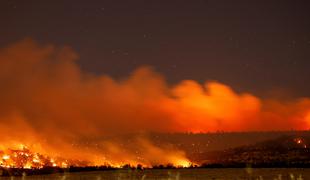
(254, 46)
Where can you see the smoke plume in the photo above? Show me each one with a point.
(48, 102)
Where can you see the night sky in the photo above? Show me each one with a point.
(254, 46)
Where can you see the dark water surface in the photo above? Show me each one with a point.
(182, 174)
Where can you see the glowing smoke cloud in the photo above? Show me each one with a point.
(48, 102)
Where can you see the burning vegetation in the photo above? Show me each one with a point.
(25, 159)
(146, 155)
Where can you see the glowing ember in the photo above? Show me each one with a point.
(301, 142)
(298, 141)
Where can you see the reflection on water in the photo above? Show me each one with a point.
(181, 174)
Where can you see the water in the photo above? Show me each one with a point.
(180, 174)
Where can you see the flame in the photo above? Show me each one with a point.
(6, 157)
(24, 158)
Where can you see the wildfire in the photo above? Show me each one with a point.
(26, 159)
(47, 90)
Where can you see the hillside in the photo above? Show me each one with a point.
(286, 151)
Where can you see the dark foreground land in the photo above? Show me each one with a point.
(52, 171)
(176, 174)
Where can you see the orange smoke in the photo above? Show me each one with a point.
(48, 102)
